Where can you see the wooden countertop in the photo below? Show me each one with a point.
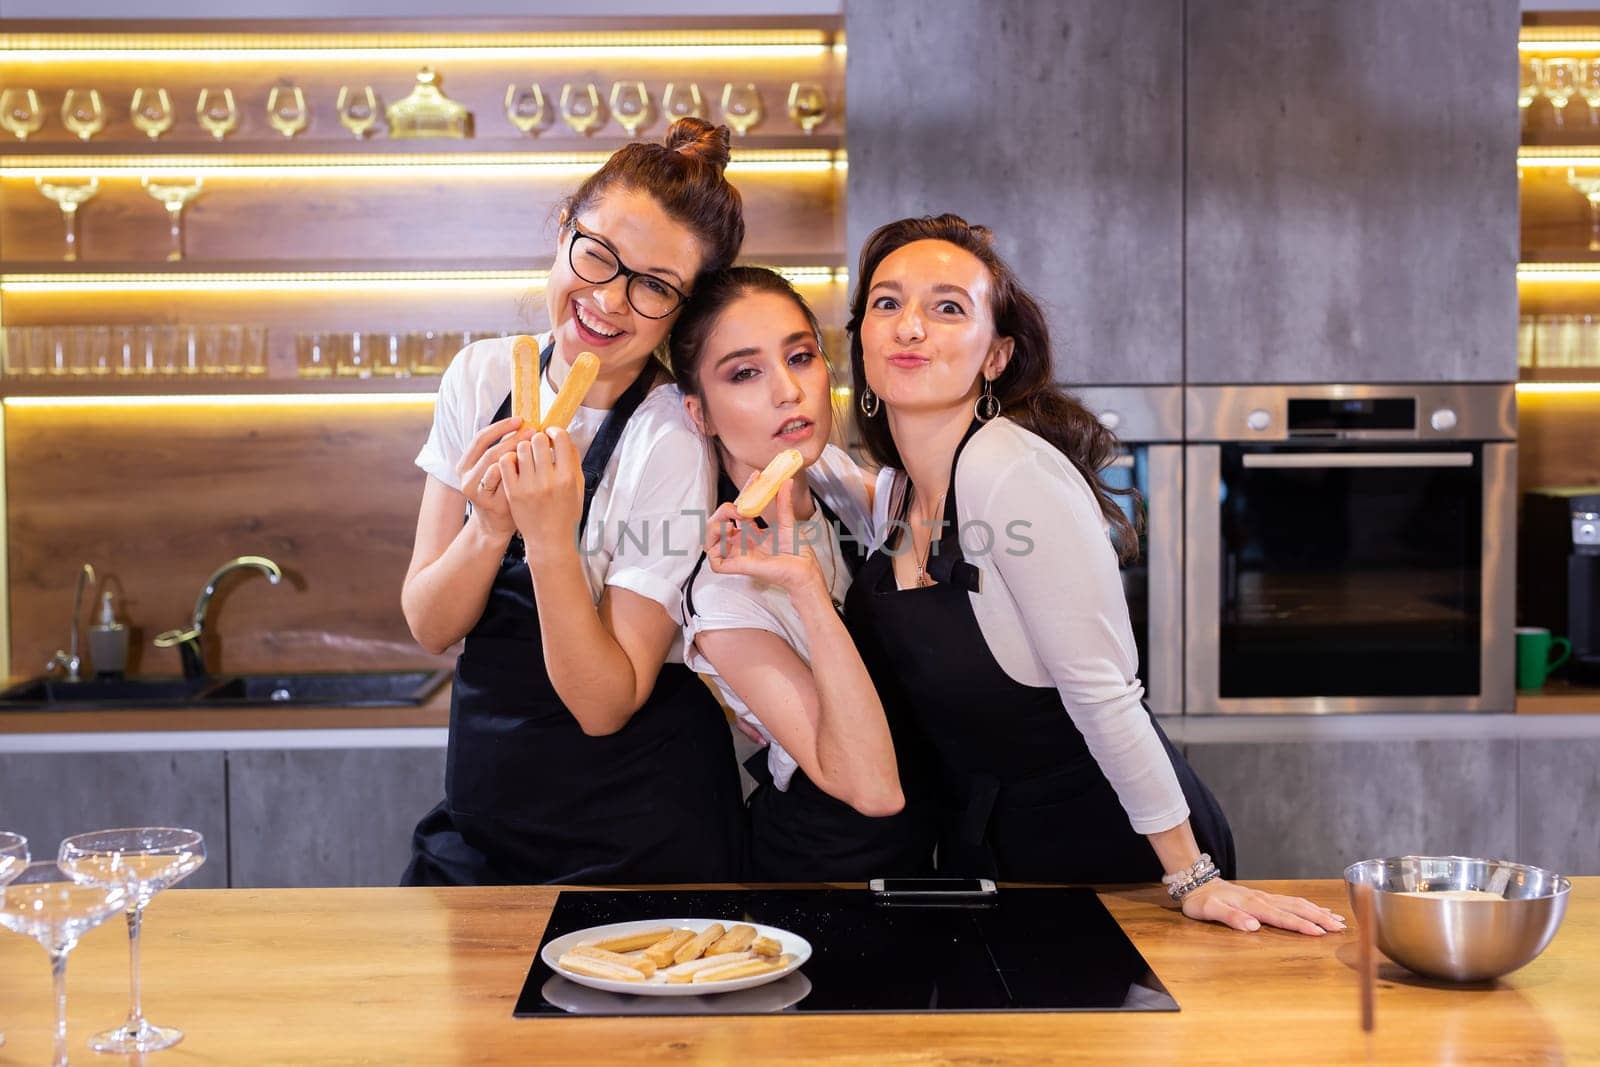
(430, 976)
(1559, 697)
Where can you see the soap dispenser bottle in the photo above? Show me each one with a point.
(108, 641)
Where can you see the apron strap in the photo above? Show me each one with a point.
(727, 492)
(946, 564)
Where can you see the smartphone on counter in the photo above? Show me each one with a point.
(932, 890)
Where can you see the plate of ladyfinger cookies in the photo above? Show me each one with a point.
(676, 957)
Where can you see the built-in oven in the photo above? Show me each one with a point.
(1350, 548)
(1148, 472)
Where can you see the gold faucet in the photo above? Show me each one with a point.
(188, 639)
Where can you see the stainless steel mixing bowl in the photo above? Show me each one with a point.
(1424, 930)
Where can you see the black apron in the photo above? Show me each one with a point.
(1021, 797)
(530, 798)
(802, 834)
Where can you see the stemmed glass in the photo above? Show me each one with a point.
(286, 109)
(808, 105)
(1589, 88)
(682, 100)
(1558, 82)
(83, 112)
(581, 107)
(741, 106)
(69, 194)
(152, 111)
(174, 194)
(13, 857)
(140, 862)
(20, 113)
(1527, 86)
(44, 903)
(527, 109)
(216, 112)
(358, 109)
(630, 103)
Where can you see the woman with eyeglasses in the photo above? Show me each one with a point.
(581, 750)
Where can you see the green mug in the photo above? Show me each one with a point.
(1534, 644)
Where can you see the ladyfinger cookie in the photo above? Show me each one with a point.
(596, 968)
(683, 972)
(525, 381)
(736, 939)
(662, 951)
(761, 492)
(637, 962)
(629, 942)
(745, 969)
(692, 950)
(585, 369)
(765, 946)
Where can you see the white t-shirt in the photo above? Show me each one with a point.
(1054, 614)
(647, 519)
(739, 602)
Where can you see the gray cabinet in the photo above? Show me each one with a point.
(47, 796)
(328, 817)
(1058, 126)
(1351, 204)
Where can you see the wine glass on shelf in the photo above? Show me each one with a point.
(286, 109)
(44, 902)
(13, 857)
(527, 109)
(1558, 82)
(174, 194)
(83, 112)
(581, 107)
(141, 862)
(682, 100)
(69, 194)
(151, 111)
(20, 112)
(1527, 87)
(1589, 186)
(1589, 88)
(630, 103)
(808, 105)
(358, 109)
(216, 112)
(741, 106)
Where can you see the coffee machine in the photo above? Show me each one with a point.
(1558, 583)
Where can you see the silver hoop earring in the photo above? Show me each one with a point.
(870, 404)
(987, 407)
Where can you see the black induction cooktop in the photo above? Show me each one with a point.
(1028, 950)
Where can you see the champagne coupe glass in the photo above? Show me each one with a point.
(20, 112)
(13, 857)
(581, 107)
(69, 194)
(682, 100)
(216, 112)
(741, 106)
(173, 193)
(808, 105)
(152, 111)
(1558, 80)
(141, 861)
(630, 103)
(358, 109)
(286, 109)
(527, 108)
(44, 903)
(83, 112)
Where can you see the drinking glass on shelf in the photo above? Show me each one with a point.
(1527, 87)
(20, 112)
(808, 105)
(83, 112)
(286, 109)
(162, 349)
(13, 858)
(1589, 88)
(69, 194)
(55, 349)
(174, 194)
(386, 355)
(44, 902)
(630, 103)
(187, 350)
(581, 107)
(358, 109)
(314, 355)
(125, 354)
(253, 350)
(77, 349)
(1589, 186)
(19, 351)
(140, 862)
(97, 354)
(355, 360)
(429, 356)
(216, 112)
(682, 100)
(151, 111)
(208, 349)
(1558, 80)
(741, 106)
(527, 109)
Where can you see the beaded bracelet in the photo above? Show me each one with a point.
(1186, 881)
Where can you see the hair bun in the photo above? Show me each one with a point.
(699, 139)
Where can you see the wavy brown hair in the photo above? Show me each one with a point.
(1027, 390)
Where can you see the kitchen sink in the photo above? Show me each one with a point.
(59, 691)
(342, 689)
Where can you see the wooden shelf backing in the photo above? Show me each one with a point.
(1580, 375)
(265, 152)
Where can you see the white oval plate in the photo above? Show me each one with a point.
(793, 945)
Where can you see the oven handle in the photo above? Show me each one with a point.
(1317, 460)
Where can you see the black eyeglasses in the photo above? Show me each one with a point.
(597, 263)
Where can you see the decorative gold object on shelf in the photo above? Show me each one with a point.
(174, 194)
(427, 112)
(682, 100)
(741, 106)
(630, 103)
(151, 111)
(581, 107)
(527, 109)
(216, 112)
(808, 105)
(83, 112)
(69, 194)
(286, 109)
(358, 109)
(19, 112)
